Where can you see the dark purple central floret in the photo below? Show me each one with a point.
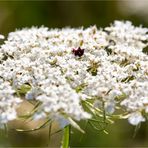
(78, 52)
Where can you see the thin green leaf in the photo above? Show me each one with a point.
(75, 125)
(106, 132)
(56, 132)
(35, 129)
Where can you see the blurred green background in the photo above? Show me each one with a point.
(18, 14)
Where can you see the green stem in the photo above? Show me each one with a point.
(49, 133)
(66, 137)
(6, 129)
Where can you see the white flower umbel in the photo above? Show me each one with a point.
(62, 68)
(1, 36)
(136, 118)
(8, 102)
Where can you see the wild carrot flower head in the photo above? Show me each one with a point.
(106, 68)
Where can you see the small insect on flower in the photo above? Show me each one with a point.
(78, 52)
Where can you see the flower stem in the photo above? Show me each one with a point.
(49, 133)
(66, 137)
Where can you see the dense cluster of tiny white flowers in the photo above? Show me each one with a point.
(64, 67)
(8, 102)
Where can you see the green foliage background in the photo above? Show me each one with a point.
(19, 14)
